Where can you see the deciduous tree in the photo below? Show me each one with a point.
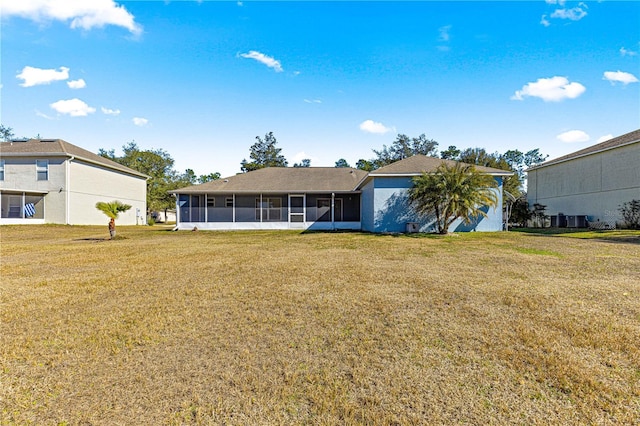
(304, 163)
(404, 147)
(6, 133)
(342, 163)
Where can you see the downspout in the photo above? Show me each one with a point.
(66, 184)
(234, 207)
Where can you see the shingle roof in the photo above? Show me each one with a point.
(317, 179)
(58, 147)
(418, 164)
(626, 139)
(284, 179)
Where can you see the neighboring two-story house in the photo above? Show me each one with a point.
(591, 183)
(53, 181)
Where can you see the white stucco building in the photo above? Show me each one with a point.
(592, 182)
(53, 181)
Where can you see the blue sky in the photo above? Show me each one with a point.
(202, 79)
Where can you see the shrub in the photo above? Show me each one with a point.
(631, 213)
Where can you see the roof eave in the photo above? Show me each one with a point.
(129, 171)
(554, 162)
(255, 191)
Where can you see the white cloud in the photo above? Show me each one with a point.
(444, 37)
(573, 136)
(140, 122)
(444, 33)
(83, 14)
(108, 111)
(313, 101)
(574, 14)
(263, 59)
(32, 76)
(550, 89)
(43, 115)
(77, 84)
(605, 138)
(620, 77)
(371, 126)
(544, 21)
(73, 107)
(626, 52)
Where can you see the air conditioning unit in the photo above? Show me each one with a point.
(413, 227)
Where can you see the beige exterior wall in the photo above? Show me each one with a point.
(73, 188)
(20, 174)
(594, 185)
(90, 183)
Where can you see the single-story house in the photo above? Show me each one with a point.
(588, 185)
(53, 181)
(322, 198)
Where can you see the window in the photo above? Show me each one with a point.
(228, 202)
(42, 169)
(211, 202)
(324, 209)
(1, 169)
(270, 209)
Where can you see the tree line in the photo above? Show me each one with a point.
(265, 153)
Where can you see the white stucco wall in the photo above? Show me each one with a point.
(90, 183)
(594, 185)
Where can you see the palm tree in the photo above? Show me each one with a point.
(112, 210)
(453, 192)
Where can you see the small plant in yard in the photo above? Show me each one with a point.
(112, 210)
(631, 213)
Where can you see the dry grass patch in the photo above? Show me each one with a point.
(165, 327)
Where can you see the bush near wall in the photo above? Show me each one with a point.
(631, 214)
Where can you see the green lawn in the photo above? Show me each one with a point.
(162, 327)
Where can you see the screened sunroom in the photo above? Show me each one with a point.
(269, 211)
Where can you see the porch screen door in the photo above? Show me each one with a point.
(296, 208)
